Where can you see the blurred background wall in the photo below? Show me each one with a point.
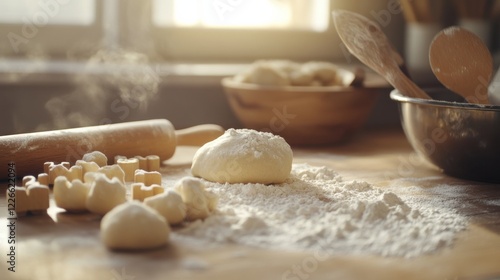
(71, 63)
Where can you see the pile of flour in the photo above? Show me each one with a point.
(316, 210)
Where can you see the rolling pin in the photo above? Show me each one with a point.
(158, 137)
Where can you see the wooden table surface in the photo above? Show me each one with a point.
(62, 246)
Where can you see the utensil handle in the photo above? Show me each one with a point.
(403, 83)
(198, 135)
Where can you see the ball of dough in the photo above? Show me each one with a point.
(301, 77)
(105, 194)
(266, 75)
(170, 205)
(133, 225)
(199, 203)
(285, 66)
(324, 72)
(96, 157)
(244, 156)
(71, 196)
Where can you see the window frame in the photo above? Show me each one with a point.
(226, 45)
(136, 31)
(77, 40)
(193, 44)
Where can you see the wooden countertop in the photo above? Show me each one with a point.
(62, 246)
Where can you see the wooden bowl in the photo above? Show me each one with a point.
(302, 115)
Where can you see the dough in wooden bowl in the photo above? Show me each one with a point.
(244, 156)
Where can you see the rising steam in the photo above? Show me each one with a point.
(109, 77)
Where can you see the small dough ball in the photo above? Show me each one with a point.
(105, 194)
(71, 196)
(324, 72)
(315, 83)
(266, 75)
(199, 202)
(244, 156)
(96, 157)
(354, 77)
(301, 77)
(242, 77)
(285, 66)
(170, 205)
(134, 226)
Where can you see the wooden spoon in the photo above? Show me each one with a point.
(462, 63)
(365, 40)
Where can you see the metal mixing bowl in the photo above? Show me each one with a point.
(461, 139)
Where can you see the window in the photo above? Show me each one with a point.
(204, 31)
(243, 30)
(49, 28)
(259, 14)
(47, 12)
(174, 30)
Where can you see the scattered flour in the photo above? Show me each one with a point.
(195, 264)
(316, 210)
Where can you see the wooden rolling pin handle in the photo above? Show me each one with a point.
(142, 138)
(198, 135)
